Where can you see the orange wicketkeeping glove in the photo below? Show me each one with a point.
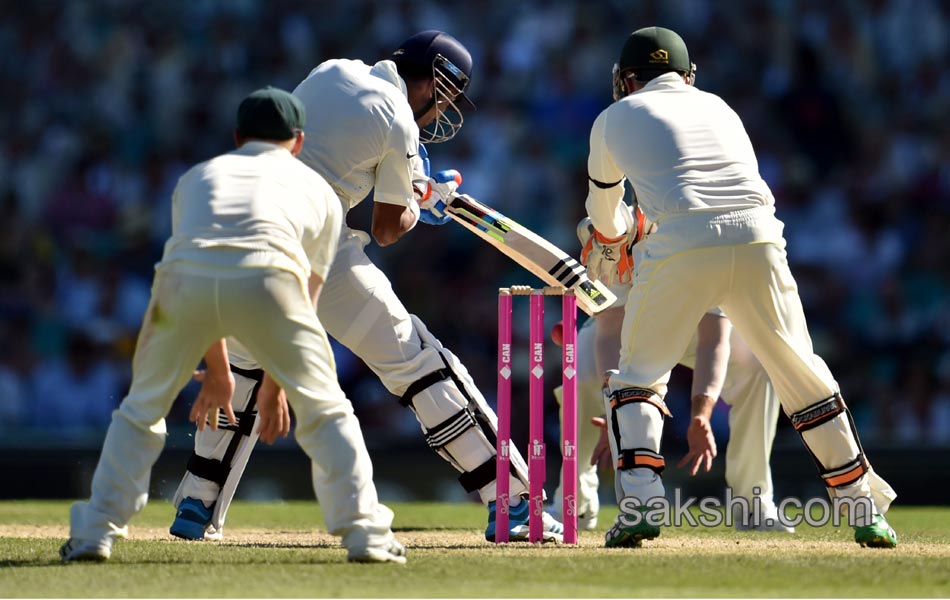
(610, 259)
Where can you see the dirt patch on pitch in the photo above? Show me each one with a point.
(440, 540)
(262, 537)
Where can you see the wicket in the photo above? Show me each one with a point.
(536, 450)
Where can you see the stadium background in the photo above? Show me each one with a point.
(105, 103)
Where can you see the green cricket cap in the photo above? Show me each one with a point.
(654, 49)
(270, 114)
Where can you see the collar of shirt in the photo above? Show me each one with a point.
(386, 70)
(664, 81)
(255, 147)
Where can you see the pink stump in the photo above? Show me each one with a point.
(536, 459)
(569, 421)
(503, 459)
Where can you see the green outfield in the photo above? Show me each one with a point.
(280, 550)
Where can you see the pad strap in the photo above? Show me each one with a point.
(848, 474)
(208, 468)
(479, 477)
(255, 374)
(632, 394)
(637, 457)
(641, 457)
(446, 431)
(819, 413)
(424, 382)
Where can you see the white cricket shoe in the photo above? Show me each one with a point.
(552, 530)
(84, 550)
(519, 524)
(769, 521)
(585, 522)
(392, 552)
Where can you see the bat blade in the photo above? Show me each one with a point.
(531, 251)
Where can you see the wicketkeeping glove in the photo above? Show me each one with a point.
(610, 259)
(438, 191)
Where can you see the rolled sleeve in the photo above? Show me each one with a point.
(396, 169)
(605, 187)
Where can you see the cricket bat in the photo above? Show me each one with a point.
(539, 256)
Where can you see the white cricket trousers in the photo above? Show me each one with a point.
(753, 418)
(360, 309)
(755, 288)
(270, 312)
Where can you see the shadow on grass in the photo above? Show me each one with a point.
(6, 564)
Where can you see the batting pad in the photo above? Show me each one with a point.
(230, 447)
(458, 422)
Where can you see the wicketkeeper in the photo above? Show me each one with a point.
(723, 366)
(718, 243)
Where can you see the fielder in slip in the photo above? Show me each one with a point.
(253, 234)
(718, 243)
(363, 135)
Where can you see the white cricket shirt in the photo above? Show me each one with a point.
(256, 206)
(360, 132)
(692, 167)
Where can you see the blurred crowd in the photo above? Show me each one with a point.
(107, 102)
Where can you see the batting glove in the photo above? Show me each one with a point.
(438, 192)
(424, 158)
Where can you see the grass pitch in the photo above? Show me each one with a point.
(276, 550)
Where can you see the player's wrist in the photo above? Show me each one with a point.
(603, 239)
(701, 407)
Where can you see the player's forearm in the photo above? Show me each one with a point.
(709, 375)
(607, 346)
(712, 358)
(701, 406)
(268, 385)
(216, 359)
(392, 221)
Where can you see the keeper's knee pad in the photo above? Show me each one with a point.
(458, 423)
(217, 464)
(635, 421)
(635, 427)
(828, 432)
